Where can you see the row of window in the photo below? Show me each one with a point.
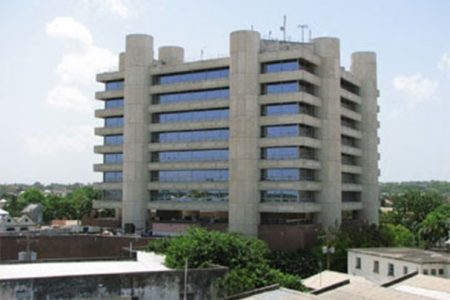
(112, 195)
(189, 175)
(276, 131)
(190, 155)
(349, 105)
(287, 174)
(191, 116)
(287, 87)
(287, 218)
(391, 268)
(347, 159)
(287, 109)
(351, 196)
(112, 122)
(287, 152)
(115, 176)
(114, 103)
(116, 139)
(190, 96)
(192, 76)
(350, 87)
(349, 141)
(287, 196)
(113, 158)
(287, 66)
(190, 136)
(350, 178)
(347, 122)
(189, 195)
(114, 85)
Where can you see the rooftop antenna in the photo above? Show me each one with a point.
(270, 34)
(283, 28)
(251, 27)
(201, 54)
(302, 28)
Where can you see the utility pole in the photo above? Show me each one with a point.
(185, 278)
(302, 28)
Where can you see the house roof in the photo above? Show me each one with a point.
(413, 255)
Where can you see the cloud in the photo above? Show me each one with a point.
(416, 86)
(76, 70)
(444, 63)
(68, 98)
(76, 139)
(68, 28)
(117, 7)
(120, 8)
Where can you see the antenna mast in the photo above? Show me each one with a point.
(283, 28)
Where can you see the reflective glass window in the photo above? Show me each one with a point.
(283, 66)
(189, 195)
(193, 76)
(113, 139)
(281, 87)
(281, 131)
(191, 96)
(114, 122)
(114, 85)
(190, 136)
(192, 116)
(288, 174)
(192, 155)
(114, 195)
(112, 176)
(280, 153)
(113, 158)
(281, 109)
(190, 175)
(114, 103)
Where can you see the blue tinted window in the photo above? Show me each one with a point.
(288, 174)
(281, 153)
(112, 176)
(192, 96)
(281, 131)
(113, 195)
(192, 116)
(193, 76)
(114, 140)
(113, 158)
(281, 66)
(190, 176)
(189, 195)
(114, 122)
(287, 196)
(281, 174)
(193, 155)
(114, 103)
(284, 87)
(114, 85)
(191, 136)
(281, 109)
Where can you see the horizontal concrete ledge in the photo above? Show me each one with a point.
(106, 95)
(100, 149)
(110, 76)
(107, 167)
(189, 165)
(194, 205)
(109, 204)
(111, 112)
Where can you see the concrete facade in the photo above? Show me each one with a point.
(276, 134)
(393, 263)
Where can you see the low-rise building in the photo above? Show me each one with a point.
(385, 264)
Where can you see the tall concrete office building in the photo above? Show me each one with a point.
(276, 140)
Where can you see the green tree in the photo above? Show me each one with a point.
(245, 257)
(411, 208)
(81, 201)
(398, 235)
(436, 226)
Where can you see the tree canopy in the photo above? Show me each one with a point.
(246, 258)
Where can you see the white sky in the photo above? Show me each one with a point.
(51, 50)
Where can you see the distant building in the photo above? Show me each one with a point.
(385, 264)
(35, 212)
(275, 141)
(11, 224)
(143, 278)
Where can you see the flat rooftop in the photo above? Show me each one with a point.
(413, 255)
(145, 262)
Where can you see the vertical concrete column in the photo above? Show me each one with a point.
(330, 133)
(138, 59)
(122, 61)
(364, 66)
(244, 133)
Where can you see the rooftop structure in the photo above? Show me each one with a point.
(274, 141)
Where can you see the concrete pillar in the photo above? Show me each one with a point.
(122, 61)
(138, 59)
(171, 55)
(330, 153)
(364, 66)
(244, 133)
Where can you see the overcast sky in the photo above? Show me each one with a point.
(52, 49)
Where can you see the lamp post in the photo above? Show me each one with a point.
(328, 251)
